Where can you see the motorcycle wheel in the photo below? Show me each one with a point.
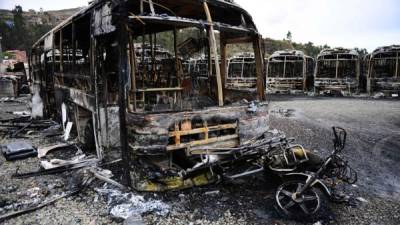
(295, 205)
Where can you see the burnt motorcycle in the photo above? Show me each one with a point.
(303, 171)
(299, 194)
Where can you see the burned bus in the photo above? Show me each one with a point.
(289, 70)
(337, 71)
(383, 71)
(147, 112)
(241, 72)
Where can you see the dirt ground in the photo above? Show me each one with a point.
(373, 149)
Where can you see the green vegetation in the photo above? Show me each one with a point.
(16, 33)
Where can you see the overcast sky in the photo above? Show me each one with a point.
(338, 23)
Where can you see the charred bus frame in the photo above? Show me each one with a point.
(158, 122)
(384, 70)
(337, 70)
(289, 70)
(241, 72)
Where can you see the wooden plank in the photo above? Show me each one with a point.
(213, 45)
(259, 67)
(202, 142)
(203, 130)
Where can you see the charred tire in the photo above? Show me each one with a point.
(313, 201)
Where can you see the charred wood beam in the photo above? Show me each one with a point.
(259, 58)
(213, 45)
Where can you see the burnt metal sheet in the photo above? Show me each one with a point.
(19, 150)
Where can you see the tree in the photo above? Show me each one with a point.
(19, 31)
(362, 51)
(289, 36)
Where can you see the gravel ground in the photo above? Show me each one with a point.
(373, 149)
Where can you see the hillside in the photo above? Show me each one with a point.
(30, 25)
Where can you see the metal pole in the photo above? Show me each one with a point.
(337, 65)
(284, 68)
(122, 80)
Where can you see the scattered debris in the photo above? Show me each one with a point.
(124, 205)
(361, 199)
(379, 95)
(84, 184)
(216, 192)
(105, 175)
(58, 166)
(284, 112)
(77, 160)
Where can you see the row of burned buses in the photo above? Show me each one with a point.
(334, 70)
